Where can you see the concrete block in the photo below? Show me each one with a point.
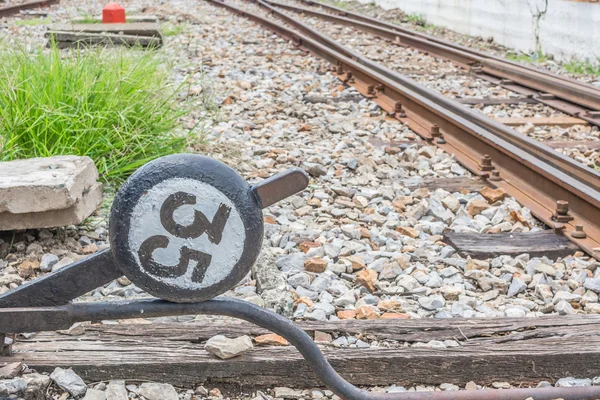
(42, 184)
(89, 201)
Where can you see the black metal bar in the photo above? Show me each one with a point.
(79, 312)
(34, 319)
(64, 285)
(280, 186)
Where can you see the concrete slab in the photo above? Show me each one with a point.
(73, 215)
(36, 185)
(65, 39)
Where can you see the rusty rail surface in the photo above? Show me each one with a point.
(15, 9)
(509, 74)
(558, 190)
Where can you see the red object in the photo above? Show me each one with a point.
(113, 14)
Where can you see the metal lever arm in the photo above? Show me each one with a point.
(64, 285)
(280, 186)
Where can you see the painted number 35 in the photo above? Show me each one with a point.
(200, 225)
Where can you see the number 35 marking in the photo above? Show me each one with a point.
(201, 225)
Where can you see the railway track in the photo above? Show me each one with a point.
(559, 191)
(460, 84)
(17, 8)
(564, 94)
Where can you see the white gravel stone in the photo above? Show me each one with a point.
(158, 391)
(69, 381)
(224, 347)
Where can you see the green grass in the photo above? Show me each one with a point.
(170, 29)
(538, 57)
(33, 22)
(417, 19)
(573, 67)
(583, 67)
(344, 5)
(114, 105)
(88, 19)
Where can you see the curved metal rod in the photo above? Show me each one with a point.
(306, 346)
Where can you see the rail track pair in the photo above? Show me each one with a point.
(558, 190)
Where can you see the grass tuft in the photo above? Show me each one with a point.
(416, 19)
(170, 29)
(583, 67)
(538, 57)
(88, 19)
(113, 105)
(344, 5)
(33, 22)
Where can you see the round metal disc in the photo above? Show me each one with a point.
(185, 228)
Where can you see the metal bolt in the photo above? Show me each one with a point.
(558, 227)
(435, 131)
(562, 212)
(486, 163)
(495, 176)
(562, 207)
(6, 342)
(349, 77)
(340, 69)
(380, 87)
(578, 233)
(371, 90)
(398, 111)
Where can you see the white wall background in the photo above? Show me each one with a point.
(566, 29)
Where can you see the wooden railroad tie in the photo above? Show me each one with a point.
(536, 244)
(517, 350)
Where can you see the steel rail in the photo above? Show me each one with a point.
(574, 84)
(536, 175)
(62, 317)
(508, 75)
(15, 9)
(588, 176)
